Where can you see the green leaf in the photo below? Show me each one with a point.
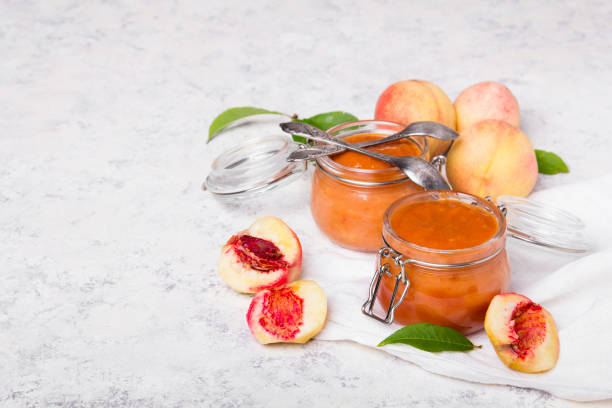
(328, 120)
(550, 163)
(325, 121)
(430, 337)
(233, 114)
(299, 139)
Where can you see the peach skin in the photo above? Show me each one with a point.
(492, 158)
(486, 100)
(415, 100)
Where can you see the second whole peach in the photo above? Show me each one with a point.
(492, 158)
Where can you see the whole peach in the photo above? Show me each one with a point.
(486, 100)
(492, 158)
(414, 100)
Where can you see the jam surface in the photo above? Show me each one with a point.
(444, 224)
(402, 147)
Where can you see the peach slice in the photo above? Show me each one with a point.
(523, 333)
(265, 255)
(290, 314)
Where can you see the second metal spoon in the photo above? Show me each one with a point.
(417, 169)
(425, 128)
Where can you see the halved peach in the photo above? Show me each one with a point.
(290, 314)
(523, 333)
(265, 255)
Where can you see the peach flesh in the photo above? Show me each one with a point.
(259, 253)
(530, 328)
(267, 254)
(290, 314)
(523, 333)
(281, 313)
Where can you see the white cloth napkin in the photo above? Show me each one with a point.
(577, 290)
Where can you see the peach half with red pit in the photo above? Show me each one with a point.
(266, 255)
(523, 333)
(290, 314)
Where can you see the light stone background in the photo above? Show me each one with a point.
(109, 296)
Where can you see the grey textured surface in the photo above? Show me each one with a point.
(109, 295)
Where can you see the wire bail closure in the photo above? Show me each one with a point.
(400, 278)
(526, 220)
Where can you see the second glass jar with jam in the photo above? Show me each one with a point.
(452, 247)
(351, 191)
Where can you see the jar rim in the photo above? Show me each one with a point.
(446, 195)
(390, 171)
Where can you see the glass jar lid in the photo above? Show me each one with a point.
(255, 166)
(542, 224)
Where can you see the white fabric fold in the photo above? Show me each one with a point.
(576, 289)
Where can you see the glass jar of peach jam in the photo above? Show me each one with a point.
(443, 261)
(351, 191)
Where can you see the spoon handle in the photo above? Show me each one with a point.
(424, 128)
(430, 129)
(418, 170)
(313, 133)
(314, 152)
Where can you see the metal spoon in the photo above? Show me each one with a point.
(417, 169)
(432, 129)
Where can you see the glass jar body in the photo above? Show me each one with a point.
(348, 204)
(351, 216)
(451, 288)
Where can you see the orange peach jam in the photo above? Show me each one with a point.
(458, 243)
(444, 224)
(357, 160)
(351, 191)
